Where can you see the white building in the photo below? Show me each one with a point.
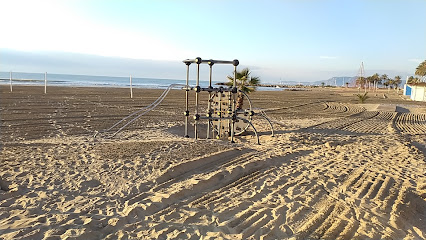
(417, 91)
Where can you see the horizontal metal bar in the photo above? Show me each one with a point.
(220, 89)
(189, 61)
(218, 61)
(208, 61)
(215, 118)
(213, 89)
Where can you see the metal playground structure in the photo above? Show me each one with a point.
(224, 119)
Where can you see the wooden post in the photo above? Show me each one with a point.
(11, 90)
(45, 82)
(131, 89)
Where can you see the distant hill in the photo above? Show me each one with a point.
(336, 81)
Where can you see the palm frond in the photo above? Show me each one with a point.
(421, 69)
(245, 82)
(362, 97)
(254, 81)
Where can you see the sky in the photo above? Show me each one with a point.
(287, 40)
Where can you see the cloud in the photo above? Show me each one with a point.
(328, 57)
(53, 26)
(416, 60)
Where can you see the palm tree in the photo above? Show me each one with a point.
(384, 78)
(421, 69)
(386, 81)
(370, 80)
(396, 82)
(362, 97)
(245, 83)
(391, 83)
(376, 79)
(361, 81)
(413, 80)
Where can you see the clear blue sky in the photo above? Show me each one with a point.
(302, 40)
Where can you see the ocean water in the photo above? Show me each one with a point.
(23, 78)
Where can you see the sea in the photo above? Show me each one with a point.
(71, 80)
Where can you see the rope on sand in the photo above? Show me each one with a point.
(140, 112)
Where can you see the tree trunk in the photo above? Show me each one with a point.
(240, 100)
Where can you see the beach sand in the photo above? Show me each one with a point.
(335, 169)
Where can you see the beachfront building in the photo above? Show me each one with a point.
(407, 90)
(416, 91)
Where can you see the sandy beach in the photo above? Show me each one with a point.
(335, 169)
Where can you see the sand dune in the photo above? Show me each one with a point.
(335, 169)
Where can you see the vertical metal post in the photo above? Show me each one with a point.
(197, 90)
(209, 106)
(229, 112)
(131, 87)
(219, 126)
(187, 99)
(10, 78)
(45, 82)
(234, 113)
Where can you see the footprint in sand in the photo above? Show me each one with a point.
(4, 185)
(86, 185)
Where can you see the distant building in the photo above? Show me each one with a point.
(416, 91)
(407, 90)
